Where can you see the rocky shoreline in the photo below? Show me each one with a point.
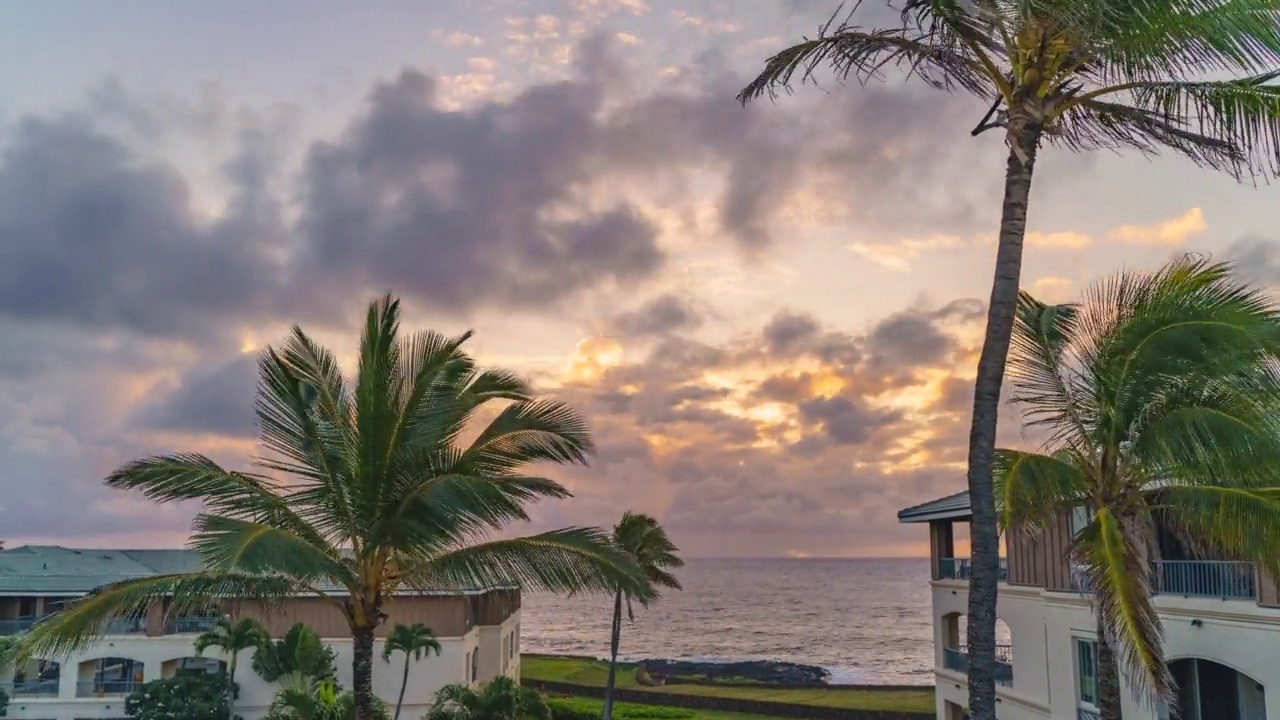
(763, 672)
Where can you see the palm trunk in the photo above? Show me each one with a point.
(984, 532)
(614, 639)
(362, 672)
(404, 683)
(1108, 678)
(231, 691)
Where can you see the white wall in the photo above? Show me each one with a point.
(425, 676)
(1044, 626)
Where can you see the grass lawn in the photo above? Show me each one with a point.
(594, 672)
(597, 706)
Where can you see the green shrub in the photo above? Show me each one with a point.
(183, 697)
(573, 708)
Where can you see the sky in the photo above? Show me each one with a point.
(769, 314)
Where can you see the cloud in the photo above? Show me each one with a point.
(93, 236)
(1066, 239)
(897, 255)
(1052, 289)
(792, 419)
(661, 315)
(1173, 231)
(130, 284)
(456, 38)
(217, 401)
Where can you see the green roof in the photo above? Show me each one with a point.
(55, 570)
(951, 507)
(52, 570)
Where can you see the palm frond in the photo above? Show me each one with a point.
(1044, 385)
(852, 51)
(560, 561)
(1185, 38)
(233, 545)
(1031, 489)
(1242, 523)
(1115, 560)
(79, 624)
(531, 431)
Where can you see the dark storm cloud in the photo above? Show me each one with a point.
(217, 402)
(788, 331)
(93, 237)
(843, 421)
(1257, 259)
(660, 316)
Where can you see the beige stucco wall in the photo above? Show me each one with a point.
(1044, 625)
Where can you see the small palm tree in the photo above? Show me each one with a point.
(232, 637)
(642, 538)
(1082, 75)
(1160, 395)
(500, 699)
(414, 641)
(395, 485)
(298, 660)
(322, 701)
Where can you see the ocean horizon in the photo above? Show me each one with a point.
(866, 620)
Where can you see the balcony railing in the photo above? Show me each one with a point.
(958, 569)
(1086, 714)
(33, 688)
(100, 688)
(19, 625)
(1204, 578)
(126, 626)
(957, 659)
(194, 624)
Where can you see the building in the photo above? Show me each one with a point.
(1221, 623)
(478, 628)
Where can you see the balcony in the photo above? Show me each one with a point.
(1221, 579)
(126, 626)
(103, 688)
(194, 624)
(14, 627)
(957, 659)
(958, 569)
(33, 688)
(1087, 714)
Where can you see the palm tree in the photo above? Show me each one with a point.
(642, 538)
(1159, 394)
(414, 641)
(384, 495)
(1082, 75)
(322, 701)
(500, 699)
(232, 637)
(298, 660)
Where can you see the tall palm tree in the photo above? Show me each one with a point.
(298, 660)
(500, 699)
(1159, 394)
(414, 641)
(645, 541)
(232, 637)
(1082, 75)
(384, 494)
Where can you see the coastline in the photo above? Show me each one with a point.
(836, 679)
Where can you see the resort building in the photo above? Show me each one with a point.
(479, 629)
(1221, 623)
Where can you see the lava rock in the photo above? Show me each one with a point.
(766, 672)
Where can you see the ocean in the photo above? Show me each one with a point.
(867, 621)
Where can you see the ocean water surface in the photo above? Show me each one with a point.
(868, 621)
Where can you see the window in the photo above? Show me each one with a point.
(466, 669)
(511, 645)
(1081, 516)
(475, 666)
(1087, 671)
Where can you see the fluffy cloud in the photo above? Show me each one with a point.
(130, 292)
